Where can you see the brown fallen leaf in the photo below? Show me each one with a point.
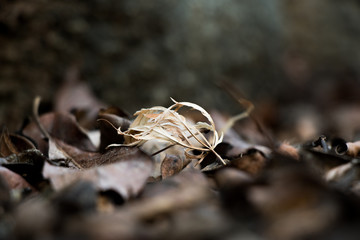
(107, 120)
(187, 190)
(171, 165)
(252, 162)
(72, 156)
(27, 164)
(233, 185)
(189, 176)
(76, 96)
(14, 180)
(288, 150)
(5, 197)
(345, 176)
(61, 126)
(77, 198)
(35, 217)
(6, 145)
(321, 162)
(237, 144)
(294, 202)
(126, 174)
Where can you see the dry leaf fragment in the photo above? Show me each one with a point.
(252, 162)
(11, 143)
(6, 146)
(288, 150)
(70, 155)
(167, 125)
(171, 165)
(126, 176)
(27, 164)
(14, 180)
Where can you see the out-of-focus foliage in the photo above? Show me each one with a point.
(181, 49)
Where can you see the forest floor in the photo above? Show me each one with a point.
(83, 170)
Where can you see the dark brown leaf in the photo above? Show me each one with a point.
(13, 143)
(14, 180)
(6, 145)
(5, 197)
(27, 164)
(108, 120)
(61, 126)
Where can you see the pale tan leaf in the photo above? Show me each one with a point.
(167, 125)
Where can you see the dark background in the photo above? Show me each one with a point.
(135, 54)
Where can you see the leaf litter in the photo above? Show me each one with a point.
(89, 171)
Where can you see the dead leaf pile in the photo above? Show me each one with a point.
(166, 174)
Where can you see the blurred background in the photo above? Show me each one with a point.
(292, 59)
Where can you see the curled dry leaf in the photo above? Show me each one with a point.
(349, 148)
(167, 125)
(6, 146)
(11, 143)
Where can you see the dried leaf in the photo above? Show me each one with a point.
(322, 162)
(107, 120)
(61, 126)
(70, 155)
(171, 165)
(6, 146)
(167, 125)
(75, 96)
(344, 176)
(13, 144)
(288, 150)
(251, 162)
(294, 202)
(27, 164)
(127, 175)
(338, 172)
(76, 198)
(14, 180)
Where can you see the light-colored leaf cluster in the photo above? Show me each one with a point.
(166, 124)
